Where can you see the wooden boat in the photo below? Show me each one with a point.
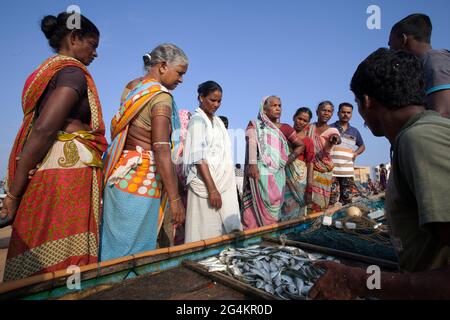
(170, 273)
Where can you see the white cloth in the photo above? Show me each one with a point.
(204, 222)
(209, 141)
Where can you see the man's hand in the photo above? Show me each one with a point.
(338, 282)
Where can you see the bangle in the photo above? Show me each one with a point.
(214, 192)
(9, 195)
(162, 143)
(176, 199)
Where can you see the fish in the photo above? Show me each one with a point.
(284, 271)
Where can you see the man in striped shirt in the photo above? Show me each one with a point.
(344, 156)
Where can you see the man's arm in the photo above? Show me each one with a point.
(344, 282)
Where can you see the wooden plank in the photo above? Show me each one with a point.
(229, 281)
(338, 253)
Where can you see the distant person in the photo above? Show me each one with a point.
(56, 213)
(416, 206)
(383, 177)
(413, 34)
(324, 138)
(239, 172)
(225, 121)
(344, 156)
(300, 172)
(371, 186)
(267, 154)
(138, 165)
(212, 205)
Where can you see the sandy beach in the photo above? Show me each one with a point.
(5, 234)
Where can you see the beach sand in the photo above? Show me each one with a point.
(5, 234)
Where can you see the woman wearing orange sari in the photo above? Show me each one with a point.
(56, 213)
(324, 138)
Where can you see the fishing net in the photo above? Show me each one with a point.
(369, 237)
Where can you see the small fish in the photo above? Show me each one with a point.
(314, 256)
(300, 284)
(259, 283)
(269, 288)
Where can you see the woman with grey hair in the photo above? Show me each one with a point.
(138, 162)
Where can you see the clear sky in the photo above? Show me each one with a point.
(302, 51)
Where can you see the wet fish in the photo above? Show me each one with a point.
(287, 272)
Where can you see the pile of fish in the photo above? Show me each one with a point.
(287, 272)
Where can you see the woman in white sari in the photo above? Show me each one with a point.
(212, 204)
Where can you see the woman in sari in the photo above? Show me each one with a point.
(324, 138)
(56, 211)
(173, 234)
(212, 205)
(139, 171)
(267, 155)
(299, 173)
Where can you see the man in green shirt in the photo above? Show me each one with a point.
(389, 90)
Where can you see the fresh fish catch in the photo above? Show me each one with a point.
(287, 272)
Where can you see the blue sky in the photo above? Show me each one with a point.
(303, 51)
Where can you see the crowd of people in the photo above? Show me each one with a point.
(168, 175)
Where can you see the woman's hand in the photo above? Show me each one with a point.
(335, 139)
(9, 210)
(253, 172)
(177, 211)
(308, 194)
(215, 200)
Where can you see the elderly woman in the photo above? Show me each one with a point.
(299, 173)
(267, 155)
(213, 207)
(324, 138)
(139, 163)
(56, 213)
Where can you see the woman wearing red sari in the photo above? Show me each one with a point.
(299, 173)
(55, 215)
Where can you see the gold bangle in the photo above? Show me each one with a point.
(12, 196)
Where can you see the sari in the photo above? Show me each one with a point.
(262, 199)
(323, 167)
(294, 204)
(173, 234)
(134, 200)
(57, 222)
(209, 141)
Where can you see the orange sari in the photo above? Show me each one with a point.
(57, 222)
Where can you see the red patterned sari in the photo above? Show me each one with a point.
(57, 222)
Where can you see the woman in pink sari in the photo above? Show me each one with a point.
(266, 158)
(324, 138)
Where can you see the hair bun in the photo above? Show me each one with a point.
(48, 26)
(147, 58)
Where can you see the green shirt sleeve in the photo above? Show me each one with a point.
(424, 159)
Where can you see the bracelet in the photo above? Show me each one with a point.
(9, 195)
(162, 143)
(176, 199)
(214, 192)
